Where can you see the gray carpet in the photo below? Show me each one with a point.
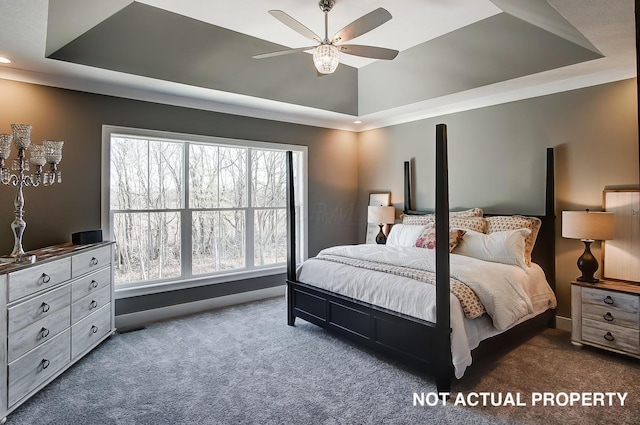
(243, 365)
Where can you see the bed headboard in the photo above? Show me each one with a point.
(544, 251)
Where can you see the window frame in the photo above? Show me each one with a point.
(169, 284)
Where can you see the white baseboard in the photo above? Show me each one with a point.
(563, 323)
(147, 316)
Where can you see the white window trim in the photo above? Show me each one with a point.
(145, 288)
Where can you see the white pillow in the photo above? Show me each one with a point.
(404, 235)
(506, 247)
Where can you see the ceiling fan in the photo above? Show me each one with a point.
(326, 55)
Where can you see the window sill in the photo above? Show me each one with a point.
(155, 288)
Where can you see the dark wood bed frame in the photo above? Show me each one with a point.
(419, 343)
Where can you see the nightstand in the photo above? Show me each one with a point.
(606, 315)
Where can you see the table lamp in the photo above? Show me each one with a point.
(381, 215)
(588, 227)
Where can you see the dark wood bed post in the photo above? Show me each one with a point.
(291, 240)
(407, 187)
(443, 361)
(550, 228)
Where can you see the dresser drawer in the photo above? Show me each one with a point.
(92, 260)
(616, 300)
(612, 314)
(90, 284)
(89, 304)
(34, 310)
(37, 278)
(613, 336)
(90, 330)
(38, 333)
(35, 367)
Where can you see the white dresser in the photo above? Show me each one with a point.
(54, 311)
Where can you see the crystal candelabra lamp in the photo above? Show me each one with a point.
(50, 152)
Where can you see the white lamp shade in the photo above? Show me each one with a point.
(381, 215)
(587, 225)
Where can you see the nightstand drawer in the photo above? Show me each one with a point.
(37, 278)
(616, 300)
(90, 261)
(34, 310)
(612, 315)
(34, 368)
(613, 336)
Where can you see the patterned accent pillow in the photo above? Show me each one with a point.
(428, 238)
(418, 220)
(513, 222)
(472, 212)
(429, 219)
(479, 224)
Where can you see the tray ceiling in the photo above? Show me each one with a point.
(453, 56)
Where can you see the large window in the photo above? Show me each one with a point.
(187, 210)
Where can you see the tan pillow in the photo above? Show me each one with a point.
(428, 219)
(472, 212)
(418, 220)
(513, 222)
(479, 224)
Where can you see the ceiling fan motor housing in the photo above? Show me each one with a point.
(326, 5)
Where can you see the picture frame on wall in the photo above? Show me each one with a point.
(621, 255)
(377, 199)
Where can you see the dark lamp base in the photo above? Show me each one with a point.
(587, 264)
(381, 239)
(592, 280)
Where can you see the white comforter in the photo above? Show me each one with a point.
(509, 293)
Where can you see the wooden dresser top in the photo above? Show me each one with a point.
(49, 253)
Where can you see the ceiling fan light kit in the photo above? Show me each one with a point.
(326, 55)
(326, 58)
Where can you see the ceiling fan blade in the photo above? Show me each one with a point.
(362, 25)
(368, 51)
(295, 25)
(283, 52)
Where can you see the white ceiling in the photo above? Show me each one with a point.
(607, 24)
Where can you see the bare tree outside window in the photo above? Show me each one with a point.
(234, 198)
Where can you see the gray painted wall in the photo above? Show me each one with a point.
(53, 213)
(496, 159)
(594, 130)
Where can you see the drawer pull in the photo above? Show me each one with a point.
(608, 317)
(94, 261)
(608, 337)
(94, 329)
(45, 278)
(608, 300)
(45, 363)
(93, 305)
(45, 307)
(44, 332)
(93, 284)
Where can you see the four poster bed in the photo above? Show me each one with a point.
(354, 298)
